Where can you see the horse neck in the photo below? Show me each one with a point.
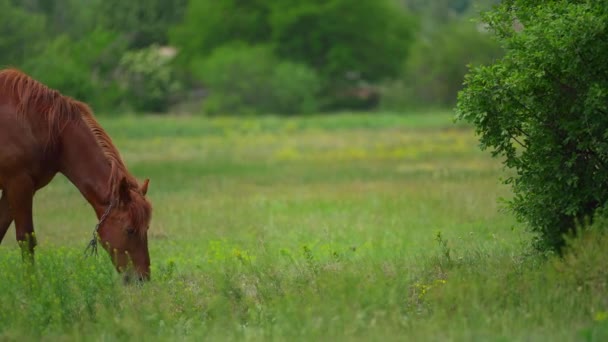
(84, 163)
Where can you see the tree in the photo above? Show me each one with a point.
(342, 39)
(246, 79)
(440, 9)
(72, 17)
(543, 109)
(142, 22)
(347, 43)
(209, 24)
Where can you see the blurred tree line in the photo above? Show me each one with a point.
(247, 57)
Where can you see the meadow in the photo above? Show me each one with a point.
(344, 227)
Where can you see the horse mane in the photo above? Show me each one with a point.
(31, 96)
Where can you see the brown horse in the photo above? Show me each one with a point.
(43, 132)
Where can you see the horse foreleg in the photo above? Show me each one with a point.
(20, 194)
(5, 215)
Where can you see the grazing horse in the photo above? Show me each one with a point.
(43, 132)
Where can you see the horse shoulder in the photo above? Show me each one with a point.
(21, 149)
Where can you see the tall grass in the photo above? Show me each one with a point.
(306, 229)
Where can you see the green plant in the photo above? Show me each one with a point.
(243, 79)
(294, 89)
(148, 79)
(543, 109)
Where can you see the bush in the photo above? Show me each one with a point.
(543, 108)
(294, 88)
(251, 80)
(148, 79)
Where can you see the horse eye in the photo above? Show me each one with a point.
(130, 231)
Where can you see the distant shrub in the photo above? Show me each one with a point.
(294, 87)
(251, 80)
(148, 79)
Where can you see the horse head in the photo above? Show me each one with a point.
(123, 230)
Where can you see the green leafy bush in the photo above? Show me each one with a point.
(294, 88)
(148, 79)
(251, 80)
(543, 109)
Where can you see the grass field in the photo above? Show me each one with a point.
(347, 227)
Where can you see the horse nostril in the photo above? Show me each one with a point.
(143, 277)
(126, 279)
(138, 279)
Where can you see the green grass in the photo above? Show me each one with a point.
(347, 227)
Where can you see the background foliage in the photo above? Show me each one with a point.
(252, 80)
(329, 55)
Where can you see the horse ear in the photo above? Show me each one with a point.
(144, 187)
(123, 191)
